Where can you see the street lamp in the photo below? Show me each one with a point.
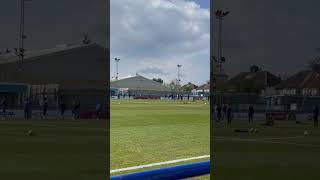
(117, 71)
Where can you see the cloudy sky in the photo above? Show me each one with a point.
(279, 36)
(49, 23)
(152, 37)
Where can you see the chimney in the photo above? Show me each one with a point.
(86, 39)
(254, 69)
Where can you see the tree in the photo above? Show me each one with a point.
(159, 80)
(188, 87)
(314, 64)
(174, 85)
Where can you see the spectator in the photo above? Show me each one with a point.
(77, 110)
(26, 109)
(62, 108)
(73, 109)
(44, 107)
(213, 109)
(224, 109)
(229, 114)
(219, 114)
(4, 106)
(29, 108)
(315, 114)
(98, 111)
(250, 114)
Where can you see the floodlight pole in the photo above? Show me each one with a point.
(21, 34)
(220, 16)
(117, 70)
(266, 79)
(179, 75)
(266, 87)
(21, 51)
(219, 43)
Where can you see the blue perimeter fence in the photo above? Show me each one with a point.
(174, 172)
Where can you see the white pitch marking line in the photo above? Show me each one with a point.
(259, 139)
(268, 141)
(159, 164)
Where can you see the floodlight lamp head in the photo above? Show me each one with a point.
(218, 13)
(223, 59)
(214, 58)
(221, 13)
(225, 13)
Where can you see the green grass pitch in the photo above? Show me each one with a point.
(280, 152)
(152, 131)
(58, 149)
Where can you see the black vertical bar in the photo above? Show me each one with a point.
(212, 99)
(108, 88)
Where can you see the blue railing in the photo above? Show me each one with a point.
(175, 172)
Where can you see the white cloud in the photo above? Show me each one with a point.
(158, 35)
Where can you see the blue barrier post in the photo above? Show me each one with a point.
(175, 172)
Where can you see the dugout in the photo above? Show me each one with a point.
(14, 93)
(296, 103)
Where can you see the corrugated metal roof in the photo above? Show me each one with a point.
(139, 83)
(29, 54)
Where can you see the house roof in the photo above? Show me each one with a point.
(302, 79)
(205, 86)
(193, 86)
(312, 81)
(139, 83)
(257, 78)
